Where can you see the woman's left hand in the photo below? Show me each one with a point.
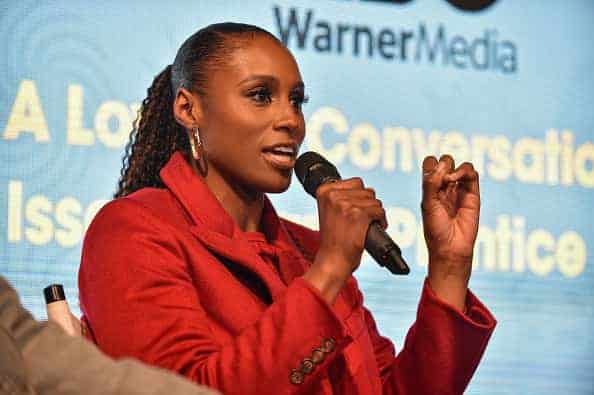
(450, 208)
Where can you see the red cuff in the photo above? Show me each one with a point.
(327, 337)
(332, 320)
(476, 312)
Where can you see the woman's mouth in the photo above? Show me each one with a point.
(281, 157)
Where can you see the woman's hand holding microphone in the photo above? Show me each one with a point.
(345, 210)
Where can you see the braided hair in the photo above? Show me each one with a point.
(156, 135)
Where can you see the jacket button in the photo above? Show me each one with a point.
(307, 366)
(296, 377)
(317, 356)
(328, 345)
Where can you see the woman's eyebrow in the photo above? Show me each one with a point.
(270, 79)
(259, 77)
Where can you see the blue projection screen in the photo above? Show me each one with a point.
(509, 87)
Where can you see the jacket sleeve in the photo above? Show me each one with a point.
(45, 360)
(441, 351)
(141, 301)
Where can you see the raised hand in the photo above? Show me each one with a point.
(450, 208)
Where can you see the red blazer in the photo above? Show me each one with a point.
(167, 277)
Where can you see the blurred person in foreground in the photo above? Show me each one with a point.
(40, 358)
(191, 269)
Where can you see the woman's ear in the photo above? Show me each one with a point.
(187, 109)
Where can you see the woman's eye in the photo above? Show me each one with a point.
(261, 96)
(299, 100)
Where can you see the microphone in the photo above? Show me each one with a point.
(313, 170)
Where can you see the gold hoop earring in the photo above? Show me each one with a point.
(196, 144)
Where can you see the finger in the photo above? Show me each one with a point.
(465, 169)
(351, 183)
(443, 167)
(330, 187)
(433, 173)
(429, 164)
(350, 194)
(370, 208)
(448, 161)
(365, 193)
(466, 177)
(364, 203)
(378, 214)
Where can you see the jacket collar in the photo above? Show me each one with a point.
(195, 197)
(219, 232)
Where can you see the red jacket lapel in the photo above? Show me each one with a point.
(212, 225)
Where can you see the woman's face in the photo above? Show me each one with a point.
(251, 123)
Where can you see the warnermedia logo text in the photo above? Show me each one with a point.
(422, 45)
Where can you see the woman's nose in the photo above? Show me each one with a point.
(290, 119)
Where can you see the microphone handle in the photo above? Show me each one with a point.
(385, 252)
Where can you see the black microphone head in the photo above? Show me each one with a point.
(312, 170)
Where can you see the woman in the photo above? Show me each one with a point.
(191, 269)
